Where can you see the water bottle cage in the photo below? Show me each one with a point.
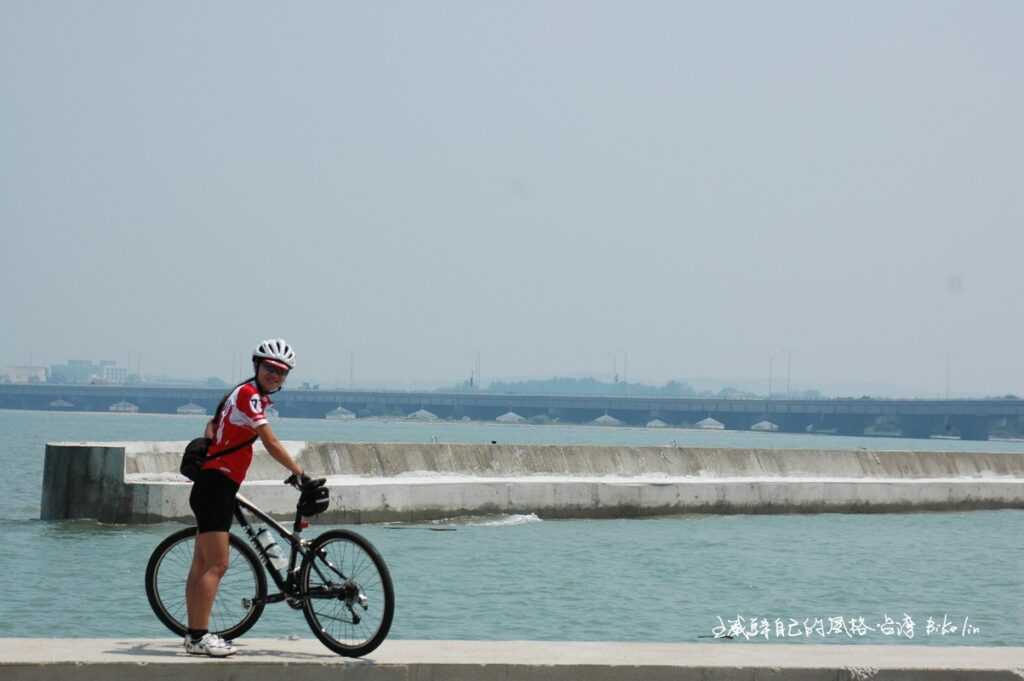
(269, 549)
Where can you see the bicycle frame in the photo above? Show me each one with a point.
(288, 584)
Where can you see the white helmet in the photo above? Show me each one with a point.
(277, 351)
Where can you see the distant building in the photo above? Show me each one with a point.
(114, 374)
(79, 371)
(24, 375)
(75, 371)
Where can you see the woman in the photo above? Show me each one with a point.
(240, 418)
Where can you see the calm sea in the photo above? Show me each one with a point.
(830, 578)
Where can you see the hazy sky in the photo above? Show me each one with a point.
(700, 185)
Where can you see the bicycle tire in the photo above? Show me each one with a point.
(360, 564)
(167, 573)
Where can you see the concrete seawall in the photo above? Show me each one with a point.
(137, 482)
(259, 659)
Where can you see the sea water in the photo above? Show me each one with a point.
(919, 578)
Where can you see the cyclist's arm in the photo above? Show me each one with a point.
(277, 450)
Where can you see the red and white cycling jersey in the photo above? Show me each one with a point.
(244, 411)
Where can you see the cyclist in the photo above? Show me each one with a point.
(241, 416)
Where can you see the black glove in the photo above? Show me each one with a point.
(304, 483)
(297, 481)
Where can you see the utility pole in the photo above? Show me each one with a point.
(625, 370)
(947, 375)
(789, 365)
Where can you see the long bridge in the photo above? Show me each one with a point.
(968, 419)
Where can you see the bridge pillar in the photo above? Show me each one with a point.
(681, 417)
(851, 424)
(972, 427)
(793, 423)
(733, 421)
(919, 426)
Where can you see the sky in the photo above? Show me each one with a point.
(700, 191)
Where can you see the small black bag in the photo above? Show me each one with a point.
(193, 458)
(314, 501)
(196, 454)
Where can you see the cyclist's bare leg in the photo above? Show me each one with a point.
(209, 563)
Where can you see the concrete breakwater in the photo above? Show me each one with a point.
(137, 482)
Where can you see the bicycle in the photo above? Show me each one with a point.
(342, 585)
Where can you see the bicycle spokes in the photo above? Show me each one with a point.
(350, 598)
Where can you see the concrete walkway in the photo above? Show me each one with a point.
(277, 660)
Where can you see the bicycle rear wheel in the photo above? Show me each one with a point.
(167, 573)
(349, 599)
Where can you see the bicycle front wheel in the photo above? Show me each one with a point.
(244, 582)
(349, 600)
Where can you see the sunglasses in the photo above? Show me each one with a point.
(275, 370)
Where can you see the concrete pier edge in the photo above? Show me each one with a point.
(258, 659)
(137, 482)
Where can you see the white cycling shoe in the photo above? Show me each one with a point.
(210, 644)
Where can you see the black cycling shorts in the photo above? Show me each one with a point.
(213, 501)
